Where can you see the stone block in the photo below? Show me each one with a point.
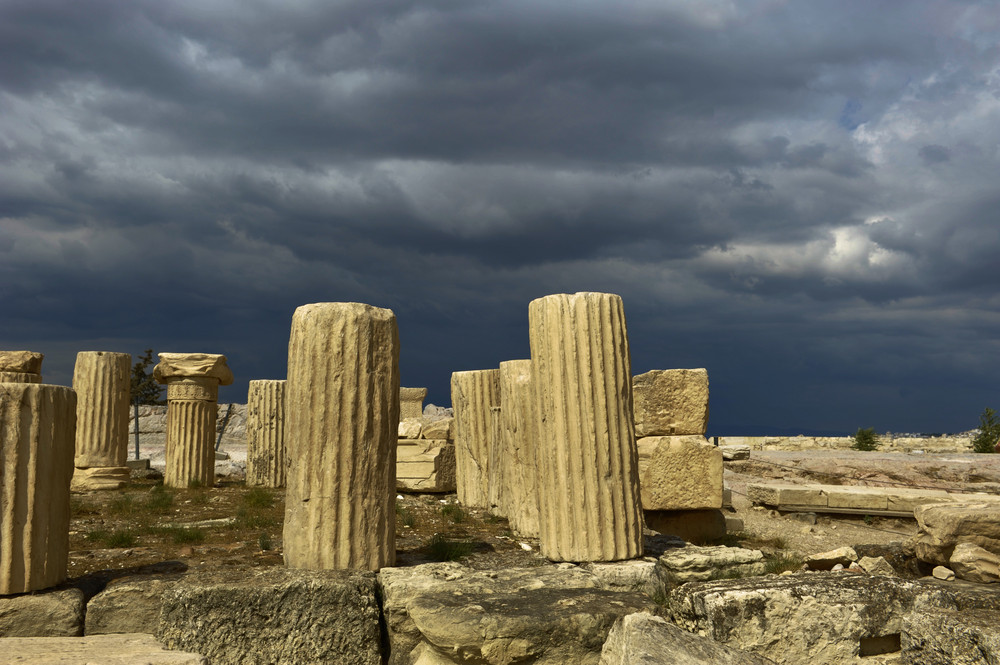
(20, 377)
(942, 637)
(275, 615)
(411, 403)
(341, 422)
(424, 465)
(447, 613)
(25, 362)
(438, 428)
(671, 402)
(942, 526)
(902, 499)
(975, 564)
(694, 526)
(56, 613)
(588, 482)
(679, 473)
(473, 396)
(644, 639)
(265, 432)
(409, 429)
(777, 495)
(127, 606)
(37, 435)
(131, 649)
(858, 498)
(518, 438)
(694, 563)
(100, 478)
(843, 556)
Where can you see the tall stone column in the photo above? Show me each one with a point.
(37, 431)
(341, 423)
(193, 381)
(101, 380)
(588, 489)
(519, 433)
(473, 394)
(266, 434)
(20, 367)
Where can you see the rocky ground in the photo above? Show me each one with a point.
(232, 526)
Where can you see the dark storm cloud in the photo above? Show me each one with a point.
(791, 195)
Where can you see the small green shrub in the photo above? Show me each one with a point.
(159, 500)
(454, 512)
(247, 518)
(439, 548)
(866, 439)
(989, 432)
(405, 516)
(782, 563)
(258, 497)
(264, 541)
(123, 504)
(187, 536)
(120, 538)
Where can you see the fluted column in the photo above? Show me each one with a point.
(341, 424)
(266, 434)
(37, 431)
(101, 382)
(193, 381)
(589, 507)
(20, 367)
(519, 432)
(473, 394)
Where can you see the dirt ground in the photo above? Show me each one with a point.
(146, 526)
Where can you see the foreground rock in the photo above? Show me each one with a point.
(965, 536)
(447, 613)
(644, 639)
(807, 618)
(274, 615)
(694, 563)
(48, 614)
(127, 606)
(129, 649)
(942, 637)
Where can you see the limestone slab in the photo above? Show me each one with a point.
(776, 495)
(424, 465)
(645, 639)
(975, 564)
(588, 483)
(130, 649)
(697, 563)
(54, 613)
(679, 473)
(438, 428)
(860, 498)
(127, 606)
(275, 615)
(28, 362)
(671, 402)
(942, 526)
(19, 377)
(473, 396)
(409, 429)
(341, 422)
(37, 436)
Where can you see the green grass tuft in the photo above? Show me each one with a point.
(440, 548)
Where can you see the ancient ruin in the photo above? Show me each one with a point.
(671, 402)
(473, 396)
(101, 381)
(588, 488)
(37, 432)
(193, 381)
(341, 426)
(411, 403)
(20, 367)
(518, 437)
(266, 434)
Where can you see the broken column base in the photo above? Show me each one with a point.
(694, 526)
(100, 478)
(425, 465)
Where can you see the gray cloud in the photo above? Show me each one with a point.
(790, 195)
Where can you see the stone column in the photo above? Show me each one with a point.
(193, 381)
(411, 403)
(37, 431)
(20, 367)
(341, 422)
(101, 380)
(473, 394)
(266, 434)
(519, 431)
(588, 489)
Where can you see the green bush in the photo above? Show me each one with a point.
(989, 432)
(865, 439)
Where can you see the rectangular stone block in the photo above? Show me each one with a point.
(907, 499)
(679, 473)
(47, 614)
(440, 428)
(670, 402)
(275, 615)
(411, 403)
(789, 495)
(859, 498)
(424, 465)
(127, 649)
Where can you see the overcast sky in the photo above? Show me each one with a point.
(803, 198)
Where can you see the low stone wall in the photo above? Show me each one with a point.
(153, 423)
(961, 443)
